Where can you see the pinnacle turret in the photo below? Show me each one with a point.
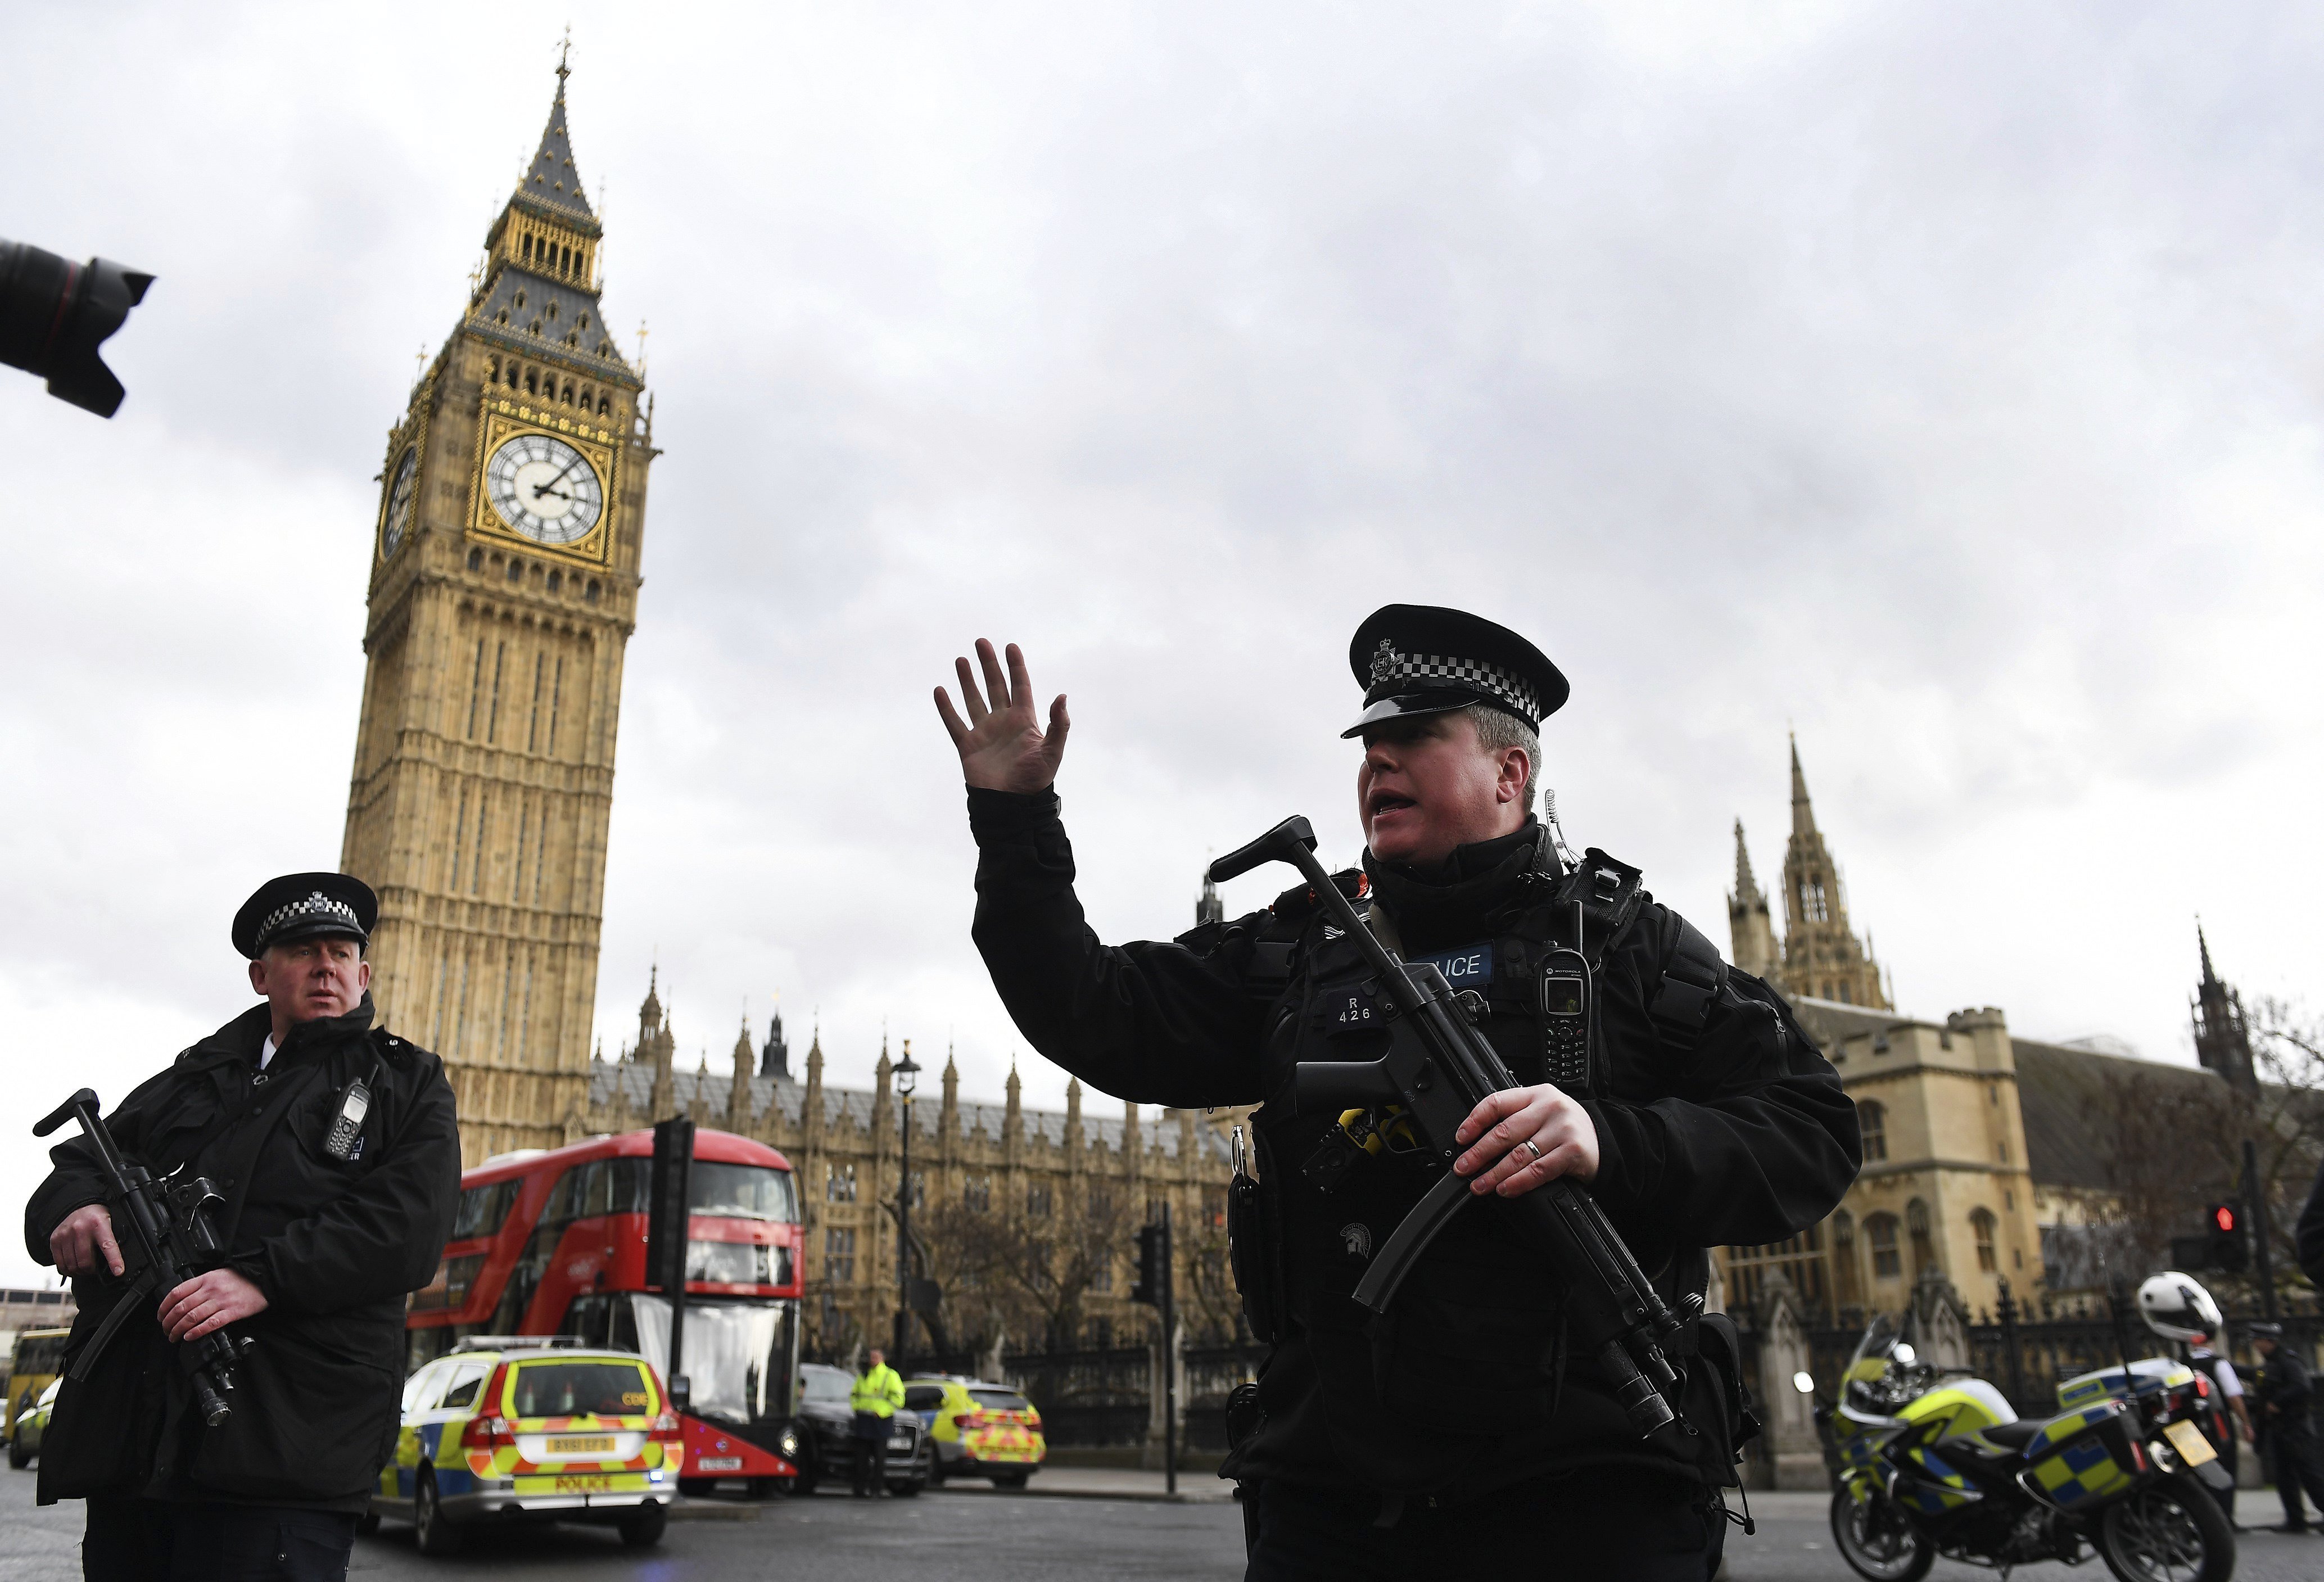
(1803, 811)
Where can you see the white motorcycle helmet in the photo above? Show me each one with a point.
(2176, 1307)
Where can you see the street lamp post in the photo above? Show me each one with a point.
(907, 1077)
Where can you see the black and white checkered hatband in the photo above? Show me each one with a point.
(1394, 671)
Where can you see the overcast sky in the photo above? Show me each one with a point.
(1941, 382)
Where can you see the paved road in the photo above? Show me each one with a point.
(980, 1536)
(1793, 1544)
(971, 1537)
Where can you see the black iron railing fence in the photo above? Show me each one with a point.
(1102, 1396)
(2026, 1358)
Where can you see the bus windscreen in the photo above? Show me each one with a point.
(748, 1191)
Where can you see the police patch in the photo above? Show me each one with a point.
(1468, 967)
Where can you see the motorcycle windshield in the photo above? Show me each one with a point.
(1870, 1364)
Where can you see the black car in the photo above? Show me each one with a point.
(825, 1412)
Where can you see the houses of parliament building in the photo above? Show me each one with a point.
(502, 592)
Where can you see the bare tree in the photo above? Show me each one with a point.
(2173, 1143)
(1026, 1268)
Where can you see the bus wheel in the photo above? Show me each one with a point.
(19, 1457)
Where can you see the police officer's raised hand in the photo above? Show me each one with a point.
(1002, 745)
(209, 1301)
(84, 1242)
(1525, 1136)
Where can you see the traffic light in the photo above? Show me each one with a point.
(1150, 1256)
(2229, 1249)
(2221, 1245)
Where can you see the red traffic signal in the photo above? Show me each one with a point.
(2223, 1217)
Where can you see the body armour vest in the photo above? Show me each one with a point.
(1466, 1382)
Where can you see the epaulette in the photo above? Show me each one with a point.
(1613, 894)
(1294, 903)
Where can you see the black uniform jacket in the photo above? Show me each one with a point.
(1745, 1139)
(334, 1245)
(2286, 1384)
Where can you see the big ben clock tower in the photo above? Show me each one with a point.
(503, 590)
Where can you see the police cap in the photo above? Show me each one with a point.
(2264, 1330)
(1415, 660)
(304, 906)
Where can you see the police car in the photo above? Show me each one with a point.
(539, 1428)
(979, 1430)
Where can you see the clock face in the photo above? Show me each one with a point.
(544, 489)
(399, 504)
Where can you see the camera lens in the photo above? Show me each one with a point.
(55, 314)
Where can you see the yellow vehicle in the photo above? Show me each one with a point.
(32, 1427)
(978, 1430)
(514, 1428)
(38, 1358)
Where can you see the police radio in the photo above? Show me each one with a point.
(1565, 1019)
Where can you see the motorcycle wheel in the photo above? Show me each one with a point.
(1878, 1541)
(2171, 1530)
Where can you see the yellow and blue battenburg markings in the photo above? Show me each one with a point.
(2069, 1463)
(1938, 1488)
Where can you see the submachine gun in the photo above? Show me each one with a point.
(1439, 1067)
(174, 1224)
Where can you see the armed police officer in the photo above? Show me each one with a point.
(332, 1145)
(1458, 1432)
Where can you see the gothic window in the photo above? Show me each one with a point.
(839, 1257)
(1925, 1246)
(838, 1182)
(519, 301)
(1102, 1277)
(1844, 1272)
(1981, 1225)
(1036, 1202)
(495, 377)
(588, 398)
(516, 571)
(476, 675)
(528, 246)
(567, 397)
(555, 580)
(920, 1188)
(1880, 1230)
(592, 594)
(475, 559)
(977, 1195)
(532, 383)
(552, 312)
(502, 318)
(584, 321)
(1872, 1121)
(533, 327)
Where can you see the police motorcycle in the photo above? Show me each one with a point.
(1924, 1465)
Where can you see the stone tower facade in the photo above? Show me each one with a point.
(503, 590)
(1749, 923)
(1823, 958)
(2222, 1037)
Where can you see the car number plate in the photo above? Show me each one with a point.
(2188, 1439)
(719, 1464)
(579, 1444)
(597, 1485)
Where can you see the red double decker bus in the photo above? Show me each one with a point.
(553, 1242)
